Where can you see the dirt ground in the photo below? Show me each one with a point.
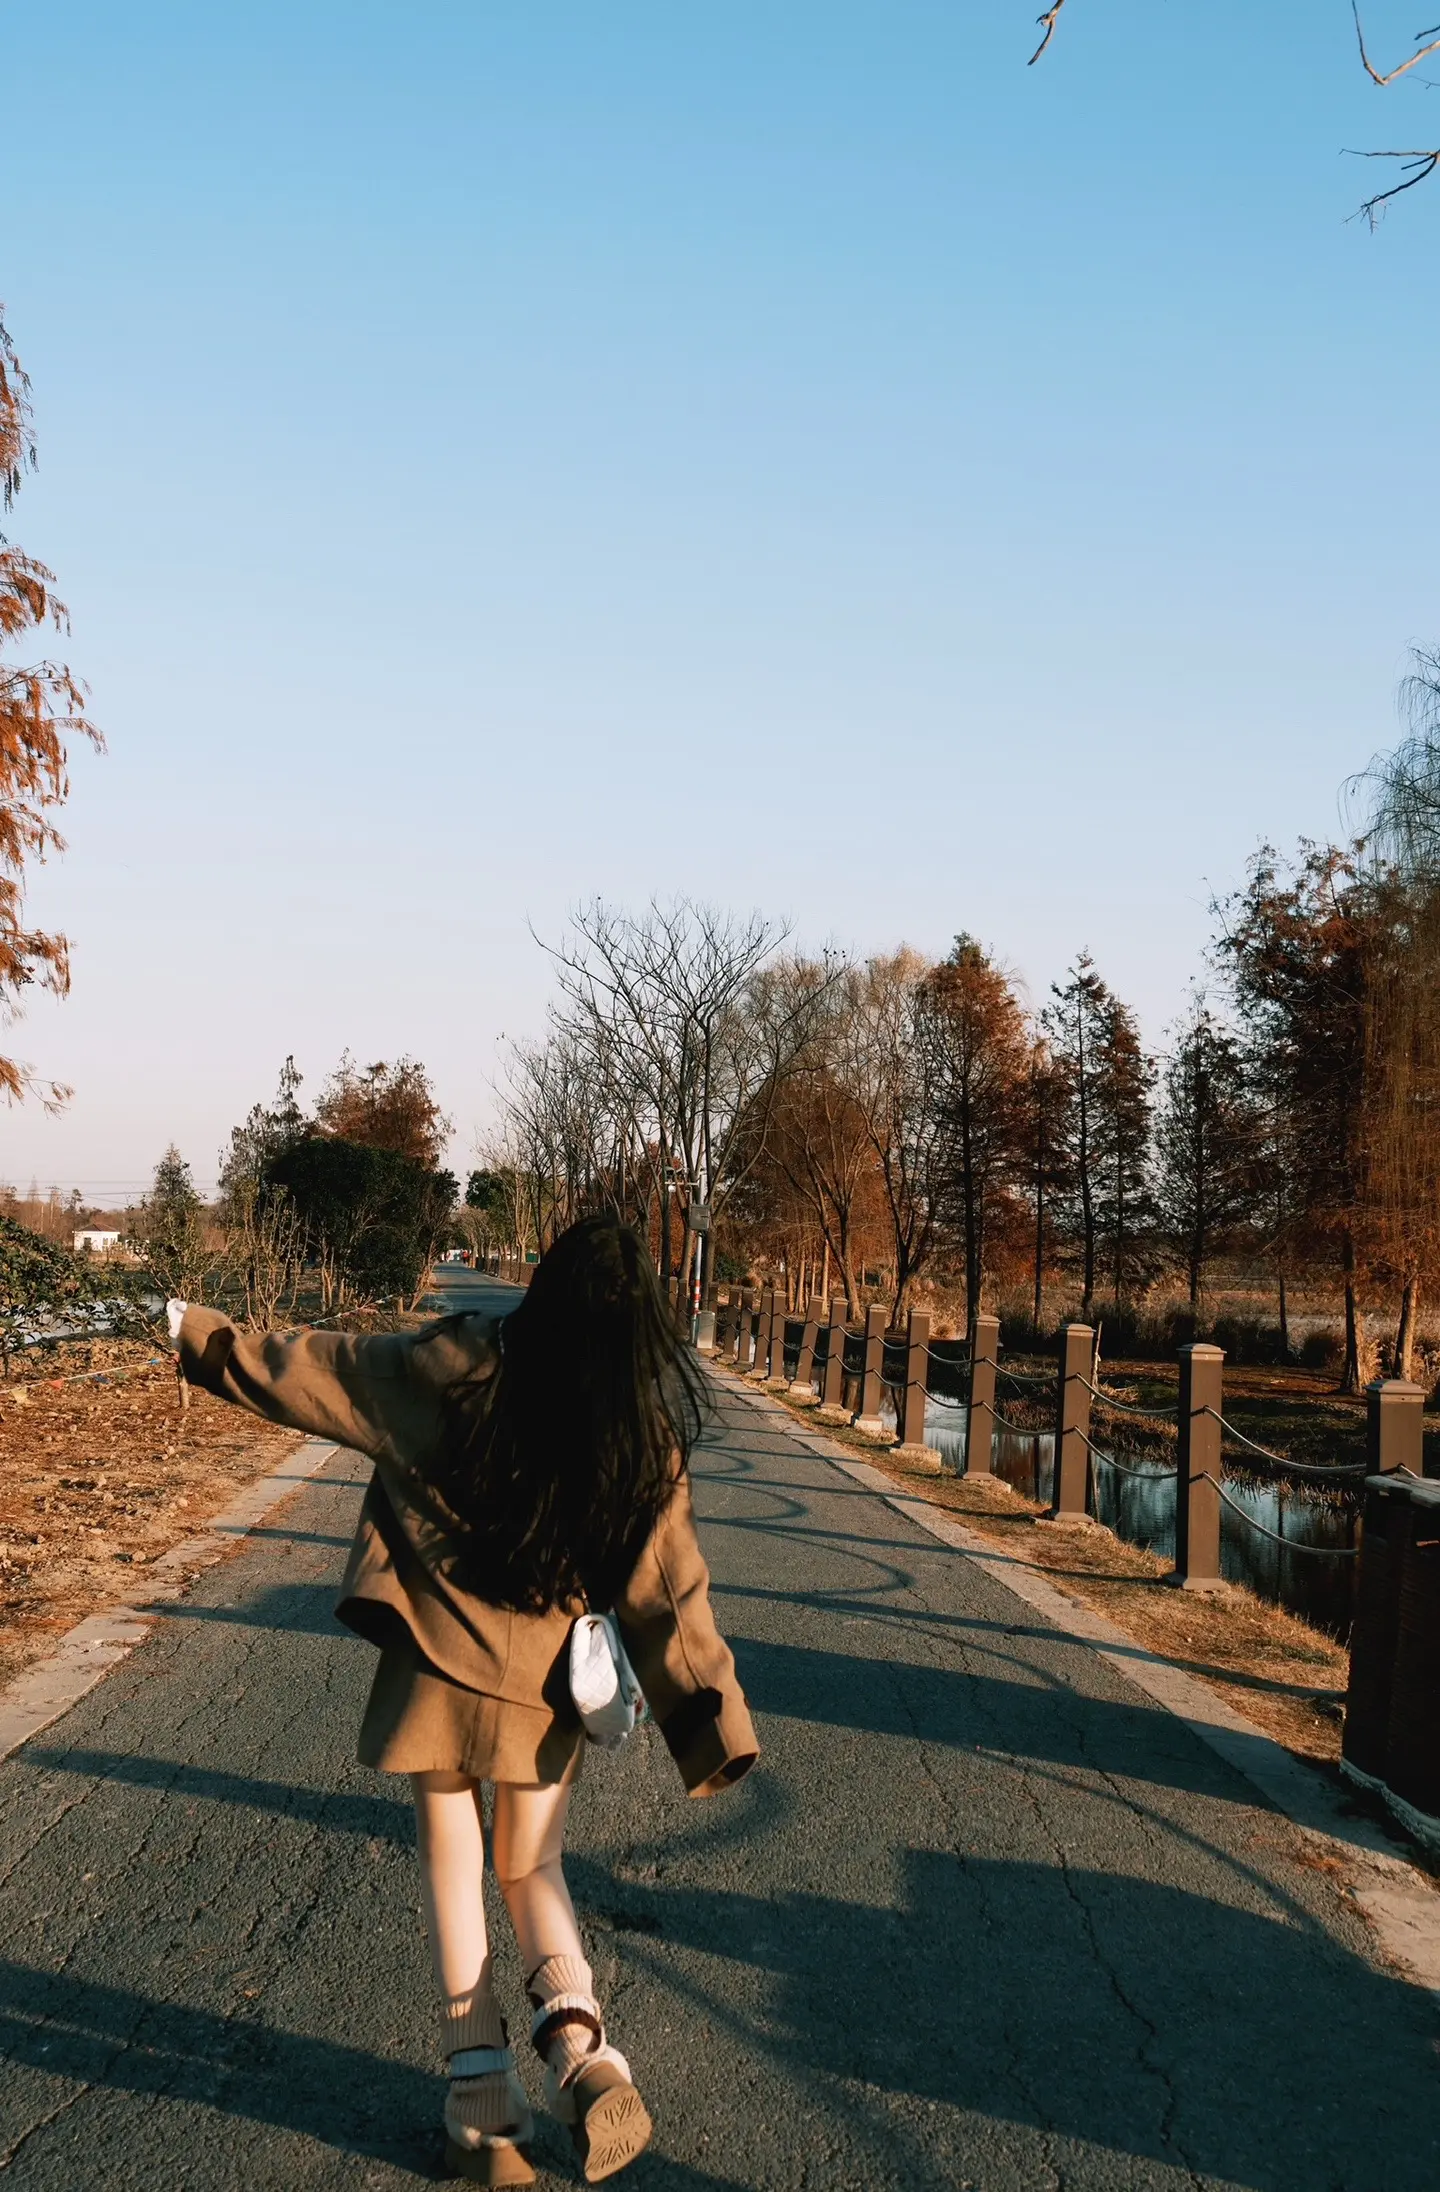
(1286, 1677)
(97, 1478)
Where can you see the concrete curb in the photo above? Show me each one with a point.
(53, 1684)
(1399, 1902)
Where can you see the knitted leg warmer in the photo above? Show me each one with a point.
(587, 2082)
(486, 2102)
(567, 2027)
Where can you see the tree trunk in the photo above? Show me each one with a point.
(1405, 1337)
(1350, 1375)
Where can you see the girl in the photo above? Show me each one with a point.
(526, 1468)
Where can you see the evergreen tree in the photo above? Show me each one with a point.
(1074, 1022)
(265, 1135)
(1124, 1203)
(971, 1018)
(1209, 1142)
(1105, 1153)
(170, 1233)
(1048, 1139)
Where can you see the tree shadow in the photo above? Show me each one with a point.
(294, 1609)
(110, 2036)
(342, 1811)
(1240, 2044)
(968, 1710)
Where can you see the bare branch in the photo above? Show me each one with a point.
(1423, 164)
(1368, 65)
(1048, 21)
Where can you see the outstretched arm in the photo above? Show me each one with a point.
(683, 1663)
(334, 1385)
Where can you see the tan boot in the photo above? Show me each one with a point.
(588, 2086)
(488, 2123)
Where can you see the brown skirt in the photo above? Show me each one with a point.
(418, 1720)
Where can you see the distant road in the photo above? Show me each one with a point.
(453, 1288)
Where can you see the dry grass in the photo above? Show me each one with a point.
(98, 1479)
(1286, 1677)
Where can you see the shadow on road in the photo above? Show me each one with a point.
(346, 1811)
(1219, 2052)
(967, 1709)
(133, 2043)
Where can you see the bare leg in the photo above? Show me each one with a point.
(486, 2116)
(587, 2082)
(528, 1854)
(452, 1871)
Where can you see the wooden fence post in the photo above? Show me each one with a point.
(980, 1415)
(1374, 1638)
(1072, 1423)
(910, 1413)
(778, 1326)
(744, 1317)
(867, 1416)
(760, 1368)
(1412, 1734)
(1197, 1477)
(1394, 1427)
(832, 1388)
(803, 1386)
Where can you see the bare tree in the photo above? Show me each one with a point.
(1416, 166)
(890, 1070)
(680, 1032)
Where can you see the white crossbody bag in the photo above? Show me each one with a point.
(602, 1681)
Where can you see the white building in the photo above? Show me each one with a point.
(93, 1240)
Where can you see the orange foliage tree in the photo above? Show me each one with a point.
(384, 1107)
(41, 705)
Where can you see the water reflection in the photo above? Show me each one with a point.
(1136, 1500)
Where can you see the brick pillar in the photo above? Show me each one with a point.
(1197, 1497)
(980, 1417)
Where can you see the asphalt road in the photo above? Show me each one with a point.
(982, 1917)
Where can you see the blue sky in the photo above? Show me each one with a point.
(500, 453)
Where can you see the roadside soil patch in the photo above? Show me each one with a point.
(1286, 1677)
(97, 1479)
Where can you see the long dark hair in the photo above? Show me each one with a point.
(557, 1468)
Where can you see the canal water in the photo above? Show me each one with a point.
(1300, 1564)
(1136, 1499)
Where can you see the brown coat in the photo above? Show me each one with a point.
(383, 1395)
